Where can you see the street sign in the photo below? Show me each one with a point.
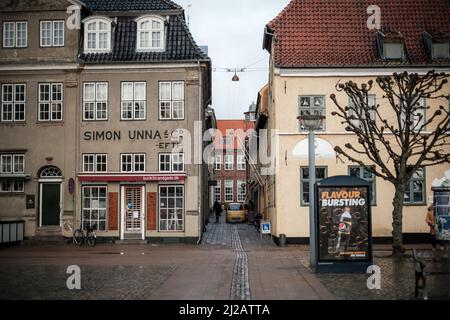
(212, 183)
(266, 227)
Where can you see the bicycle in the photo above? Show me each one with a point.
(79, 236)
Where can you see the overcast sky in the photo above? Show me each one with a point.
(233, 31)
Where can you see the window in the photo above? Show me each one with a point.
(95, 104)
(217, 191)
(241, 162)
(439, 50)
(360, 114)
(15, 34)
(228, 190)
(312, 105)
(171, 208)
(241, 190)
(50, 102)
(13, 102)
(133, 101)
(12, 163)
(133, 162)
(97, 35)
(391, 45)
(217, 162)
(321, 173)
(94, 207)
(94, 162)
(171, 100)
(417, 117)
(415, 190)
(52, 33)
(229, 162)
(150, 33)
(227, 140)
(363, 173)
(171, 162)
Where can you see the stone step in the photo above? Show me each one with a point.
(131, 241)
(52, 231)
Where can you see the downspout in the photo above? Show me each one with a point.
(200, 175)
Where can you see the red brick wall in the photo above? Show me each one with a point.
(113, 211)
(151, 210)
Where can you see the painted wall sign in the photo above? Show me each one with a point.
(125, 178)
(117, 135)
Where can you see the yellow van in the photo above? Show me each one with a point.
(235, 212)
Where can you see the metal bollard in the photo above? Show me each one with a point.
(282, 240)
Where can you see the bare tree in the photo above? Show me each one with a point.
(393, 137)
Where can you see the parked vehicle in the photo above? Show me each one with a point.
(235, 212)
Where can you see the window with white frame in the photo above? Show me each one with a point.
(15, 34)
(171, 162)
(11, 186)
(241, 161)
(217, 162)
(217, 191)
(52, 33)
(150, 33)
(133, 106)
(415, 190)
(97, 35)
(94, 207)
(171, 100)
(133, 162)
(360, 114)
(50, 102)
(95, 101)
(94, 162)
(13, 102)
(228, 190)
(171, 208)
(312, 105)
(417, 117)
(229, 161)
(12, 164)
(241, 190)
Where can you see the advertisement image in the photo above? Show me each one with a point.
(343, 223)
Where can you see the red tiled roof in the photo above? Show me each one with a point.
(312, 33)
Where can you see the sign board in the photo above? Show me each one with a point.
(266, 227)
(442, 213)
(212, 183)
(30, 201)
(343, 224)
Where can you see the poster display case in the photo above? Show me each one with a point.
(441, 200)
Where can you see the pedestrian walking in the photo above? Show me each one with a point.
(430, 219)
(217, 210)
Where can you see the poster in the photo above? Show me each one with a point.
(442, 210)
(343, 223)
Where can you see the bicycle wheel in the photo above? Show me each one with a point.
(91, 238)
(78, 237)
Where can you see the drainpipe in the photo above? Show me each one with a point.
(200, 175)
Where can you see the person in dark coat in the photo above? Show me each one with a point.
(217, 210)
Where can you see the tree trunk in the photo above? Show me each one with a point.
(397, 223)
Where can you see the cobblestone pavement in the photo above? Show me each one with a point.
(397, 280)
(240, 285)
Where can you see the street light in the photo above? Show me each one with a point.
(311, 122)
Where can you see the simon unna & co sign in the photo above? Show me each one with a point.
(116, 135)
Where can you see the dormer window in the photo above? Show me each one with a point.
(391, 45)
(97, 35)
(150, 33)
(437, 45)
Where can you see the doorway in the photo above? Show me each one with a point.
(133, 212)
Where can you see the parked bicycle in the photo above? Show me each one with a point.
(80, 236)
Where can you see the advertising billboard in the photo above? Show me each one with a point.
(343, 223)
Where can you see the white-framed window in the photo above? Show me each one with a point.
(132, 162)
(171, 208)
(50, 102)
(15, 34)
(229, 161)
(228, 190)
(171, 162)
(13, 102)
(241, 161)
(415, 190)
(311, 105)
(217, 162)
(171, 100)
(12, 163)
(227, 140)
(150, 33)
(94, 207)
(417, 117)
(95, 163)
(15, 186)
(218, 191)
(95, 101)
(241, 190)
(97, 35)
(133, 102)
(362, 115)
(52, 33)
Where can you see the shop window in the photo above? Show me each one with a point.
(50, 102)
(171, 100)
(171, 209)
(94, 207)
(13, 102)
(133, 104)
(415, 190)
(363, 173)
(321, 173)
